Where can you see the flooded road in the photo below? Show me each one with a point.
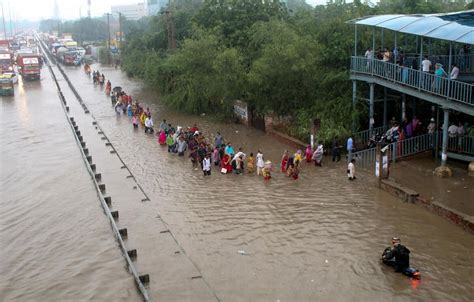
(56, 242)
(317, 238)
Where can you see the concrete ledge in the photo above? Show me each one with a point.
(295, 143)
(399, 191)
(409, 195)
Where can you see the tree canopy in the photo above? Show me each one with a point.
(290, 59)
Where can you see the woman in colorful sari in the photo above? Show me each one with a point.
(267, 170)
(162, 138)
(284, 161)
(308, 153)
(298, 157)
(226, 166)
(108, 88)
(143, 117)
(250, 164)
(318, 156)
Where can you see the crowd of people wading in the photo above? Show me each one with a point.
(203, 153)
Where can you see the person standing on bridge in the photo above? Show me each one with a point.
(426, 68)
(454, 72)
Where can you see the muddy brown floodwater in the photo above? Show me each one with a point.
(55, 241)
(315, 239)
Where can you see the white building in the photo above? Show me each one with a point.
(154, 6)
(131, 12)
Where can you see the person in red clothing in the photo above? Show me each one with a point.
(308, 153)
(284, 161)
(194, 128)
(226, 166)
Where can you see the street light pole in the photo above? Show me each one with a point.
(120, 29)
(108, 40)
(3, 19)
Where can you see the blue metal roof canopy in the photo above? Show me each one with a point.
(455, 27)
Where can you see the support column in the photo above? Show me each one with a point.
(385, 106)
(444, 150)
(403, 108)
(354, 100)
(444, 170)
(371, 107)
(413, 108)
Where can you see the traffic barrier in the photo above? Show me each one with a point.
(123, 232)
(132, 253)
(105, 201)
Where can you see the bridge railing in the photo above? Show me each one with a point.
(364, 136)
(397, 150)
(460, 144)
(442, 86)
(465, 63)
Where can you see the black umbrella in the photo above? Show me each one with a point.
(117, 89)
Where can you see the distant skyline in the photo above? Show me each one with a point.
(72, 9)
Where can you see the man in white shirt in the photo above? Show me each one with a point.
(426, 65)
(453, 130)
(369, 55)
(454, 72)
(149, 125)
(206, 165)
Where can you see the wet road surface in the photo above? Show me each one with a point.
(56, 242)
(317, 238)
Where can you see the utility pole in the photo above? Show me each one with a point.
(120, 29)
(170, 30)
(10, 15)
(108, 40)
(3, 19)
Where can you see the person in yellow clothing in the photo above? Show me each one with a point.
(250, 164)
(298, 158)
(143, 118)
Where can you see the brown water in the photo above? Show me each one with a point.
(55, 241)
(315, 239)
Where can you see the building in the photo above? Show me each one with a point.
(154, 6)
(131, 12)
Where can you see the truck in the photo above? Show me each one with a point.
(4, 45)
(6, 61)
(66, 56)
(29, 66)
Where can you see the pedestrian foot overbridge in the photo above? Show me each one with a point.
(416, 63)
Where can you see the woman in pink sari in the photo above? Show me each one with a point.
(162, 138)
(308, 153)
